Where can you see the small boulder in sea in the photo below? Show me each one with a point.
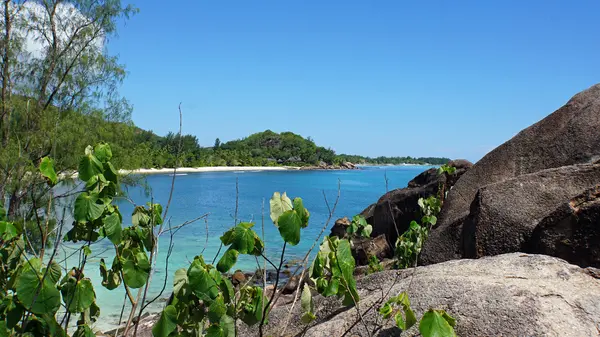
(238, 278)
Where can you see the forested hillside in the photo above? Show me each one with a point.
(137, 148)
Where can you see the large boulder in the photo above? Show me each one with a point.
(506, 295)
(504, 215)
(394, 211)
(566, 137)
(572, 231)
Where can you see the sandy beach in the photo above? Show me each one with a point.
(207, 169)
(185, 170)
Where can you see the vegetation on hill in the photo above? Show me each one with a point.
(394, 160)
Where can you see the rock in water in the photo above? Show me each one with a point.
(506, 295)
(238, 278)
(566, 137)
(394, 211)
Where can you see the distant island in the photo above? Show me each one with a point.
(136, 148)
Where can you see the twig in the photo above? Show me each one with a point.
(266, 308)
(176, 163)
(297, 291)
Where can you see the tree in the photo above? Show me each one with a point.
(53, 63)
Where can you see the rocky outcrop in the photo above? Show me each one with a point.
(567, 137)
(325, 166)
(572, 231)
(339, 227)
(507, 295)
(394, 211)
(364, 248)
(504, 215)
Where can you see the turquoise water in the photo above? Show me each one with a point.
(215, 193)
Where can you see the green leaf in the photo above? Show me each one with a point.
(140, 216)
(346, 264)
(110, 278)
(280, 203)
(345, 259)
(89, 166)
(136, 267)
(4, 332)
(110, 173)
(214, 331)
(332, 287)
(47, 170)
(112, 227)
(88, 207)
(84, 331)
(2, 212)
(400, 321)
(243, 238)
(227, 260)
(54, 272)
(103, 152)
(78, 296)
(367, 230)
(434, 324)
(252, 302)
(386, 310)
(7, 231)
(227, 237)
(29, 284)
(87, 251)
(451, 320)
(200, 281)
(217, 309)
(227, 290)
(179, 280)
(301, 211)
(306, 301)
(228, 326)
(167, 322)
(289, 227)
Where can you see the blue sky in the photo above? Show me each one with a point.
(419, 78)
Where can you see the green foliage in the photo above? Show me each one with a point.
(437, 323)
(333, 270)
(393, 160)
(445, 169)
(410, 243)
(374, 265)
(308, 307)
(241, 240)
(280, 203)
(434, 323)
(47, 170)
(289, 217)
(399, 308)
(359, 227)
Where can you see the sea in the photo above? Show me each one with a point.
(218, 195)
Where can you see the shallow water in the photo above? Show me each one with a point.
(215, 194)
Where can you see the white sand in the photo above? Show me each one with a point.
(207, 169)
(182, 170)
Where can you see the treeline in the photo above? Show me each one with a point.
(137, 148)
(260, 149)
(394, 160)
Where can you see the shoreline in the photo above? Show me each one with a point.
(207, 169)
